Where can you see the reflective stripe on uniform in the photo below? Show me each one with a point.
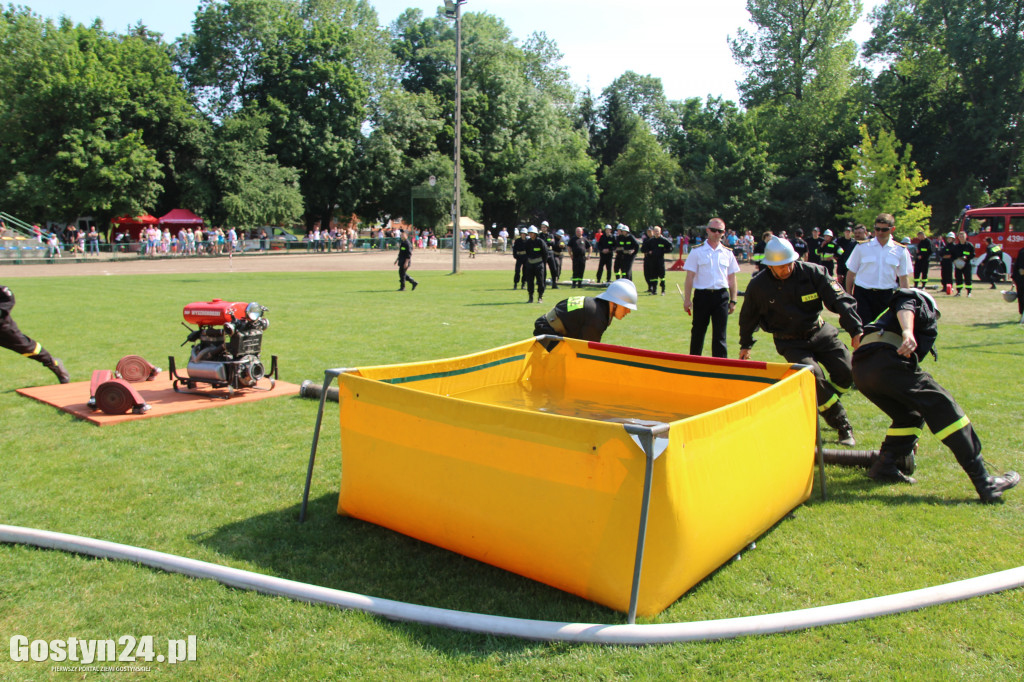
(905, 431)
(828, 403)
(38, 349)
(952, 428)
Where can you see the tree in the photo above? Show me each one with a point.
(800, 88)
(251, 187)
(92, 121)
(726, 170)
(952, 86)
(312, 66)
(878, 179)
(641, 181)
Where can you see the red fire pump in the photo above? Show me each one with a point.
(226, 350)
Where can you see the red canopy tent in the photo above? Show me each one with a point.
(134, 225)
(181, 217)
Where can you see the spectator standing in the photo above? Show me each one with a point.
(710, 270)
(579, 247)
(876, 268)
(605, 245)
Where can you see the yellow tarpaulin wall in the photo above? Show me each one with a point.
(558, 498)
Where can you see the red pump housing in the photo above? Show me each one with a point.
(213, 312)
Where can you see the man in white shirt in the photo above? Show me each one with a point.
(876, 268)
(710, 269)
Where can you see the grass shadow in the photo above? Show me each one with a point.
(352, 555)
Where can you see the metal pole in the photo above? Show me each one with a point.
(457, 203)
(328, 376)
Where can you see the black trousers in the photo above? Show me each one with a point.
(1018, 281)
(710, 306)
(624, 266)
(604, 264)
(403, 277)
(657, 272)
(519, 271)
(579, 266)
(921, 272)
(963, 277)
(533, 275)
(822, 349)
(12, 338)
(912, 398)
(871, 302)
(946, 272)
(556, 270)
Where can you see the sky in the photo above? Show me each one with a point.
(682, 42)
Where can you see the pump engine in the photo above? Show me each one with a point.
(227, 345)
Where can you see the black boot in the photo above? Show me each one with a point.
(885, 470)
(58, 368)
(990, 488)
(835, 416)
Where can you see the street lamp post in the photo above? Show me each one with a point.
(453, 9)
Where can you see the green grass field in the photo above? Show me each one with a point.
(224, 486)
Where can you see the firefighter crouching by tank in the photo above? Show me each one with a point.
(886, 369)
(786, 300)
(12, 338)
(536, 259)
(585, 317)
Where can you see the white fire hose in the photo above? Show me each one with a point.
(519, 627)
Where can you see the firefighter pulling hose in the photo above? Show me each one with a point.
(226, 350)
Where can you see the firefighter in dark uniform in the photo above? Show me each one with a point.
(991, 268)
(886, 369)
(536, 260)
(403, 261)
(922, 260)
(519, 255)
(829, 252)
(845, 246)
(962, 252)
(605, 244)
(12, 338)
(557, 252)
(655, 249)
(549, 241)
(579, 247)
(586, 318)
(946, 262)
(786, 300)
(1018, 281)
(814, 246)
(626, 248)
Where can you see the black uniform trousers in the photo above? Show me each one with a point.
(710, 306)
(963, 277)
(519, 271)
(871, 302)
(624, 266)
(403, 277)
(946, 273)
(1018, 281)
(912, 398)
(921, 272)
(604, 264)
(822, 349)
(556, 269)
(12, 338)
(579, 266)
(533, 275)
(655, 272)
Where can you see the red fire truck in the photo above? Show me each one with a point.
(1005, 224)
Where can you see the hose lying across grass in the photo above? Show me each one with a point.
(518, 627)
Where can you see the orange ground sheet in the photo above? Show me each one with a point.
(162, 398)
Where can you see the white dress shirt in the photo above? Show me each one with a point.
(879, 267)
(711, 267)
